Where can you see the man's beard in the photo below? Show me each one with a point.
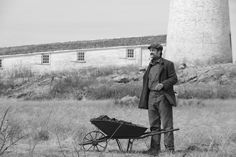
(155, 58)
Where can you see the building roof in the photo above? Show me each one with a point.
(88, 44)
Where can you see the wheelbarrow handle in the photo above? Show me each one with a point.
(152, 133)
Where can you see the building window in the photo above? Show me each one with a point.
(45, 58)
(0, 63)
(130, 53)
(80, 56)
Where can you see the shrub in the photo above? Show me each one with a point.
(127, 101)
(10, 133)
(128, 69)
(205, 91)
(78, 84)
(41, 135)
(5, 85)
(105, 71)
(226, 91)
(21, 72)
(115, 91)
(190, 91)
(191, 103)
(97, 72)
(70, 84)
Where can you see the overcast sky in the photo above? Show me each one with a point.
(25, 22)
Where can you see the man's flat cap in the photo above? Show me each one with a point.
(156, 46)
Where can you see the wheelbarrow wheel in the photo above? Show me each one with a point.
(94, 141)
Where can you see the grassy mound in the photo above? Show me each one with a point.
(216, 81)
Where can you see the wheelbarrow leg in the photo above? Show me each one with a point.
(130, 145)
(119, 145)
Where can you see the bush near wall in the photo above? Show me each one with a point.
(115, 91)
(206, 91)
(97, 83)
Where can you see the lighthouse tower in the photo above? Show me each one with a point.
(199, 32)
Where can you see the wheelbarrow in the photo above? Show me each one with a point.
(113, 129)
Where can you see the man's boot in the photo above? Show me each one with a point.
(170, 150)
(155, 145)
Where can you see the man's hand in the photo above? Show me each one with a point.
(159, 86)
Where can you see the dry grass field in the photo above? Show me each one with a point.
(54, 128)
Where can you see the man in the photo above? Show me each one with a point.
(158, 97)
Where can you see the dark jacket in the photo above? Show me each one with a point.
(167, 77)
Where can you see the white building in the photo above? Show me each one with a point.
(80, 54)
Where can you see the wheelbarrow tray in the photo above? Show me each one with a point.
(119, 129)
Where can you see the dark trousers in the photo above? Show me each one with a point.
(160, 113)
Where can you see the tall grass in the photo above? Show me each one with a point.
(14, 77)
(206, 130)
(97, 83)
(21, 72)
(105, 71)
(115, 91)
(86, 83)
(206, 91)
